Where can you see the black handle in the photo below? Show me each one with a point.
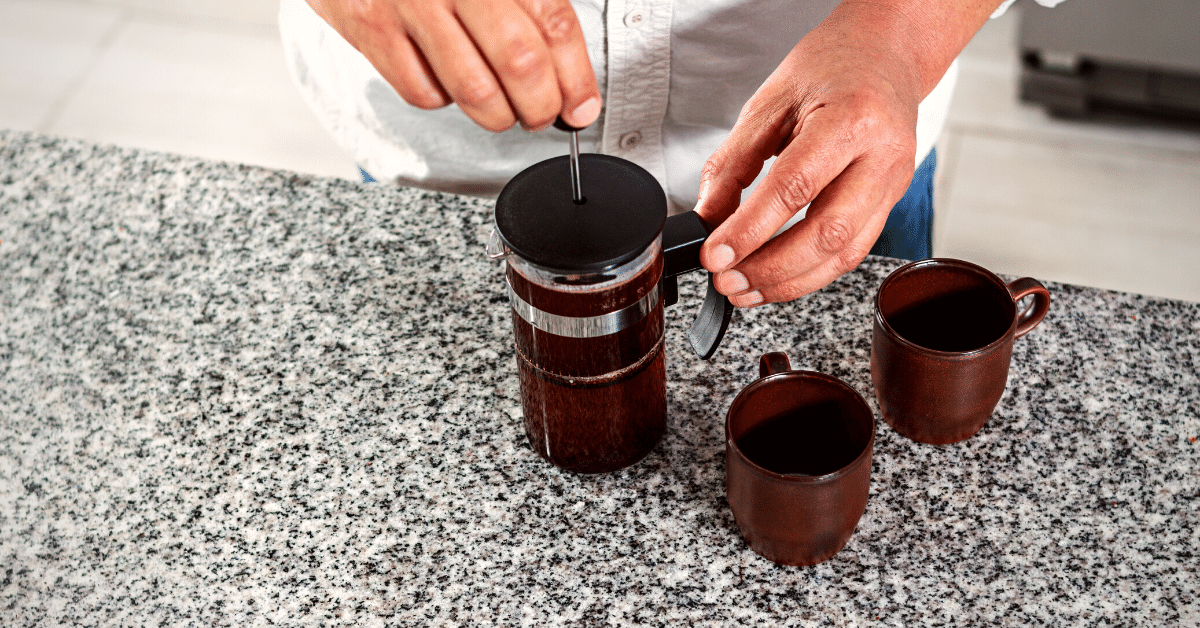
(682, 237)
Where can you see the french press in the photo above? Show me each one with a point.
(592, 259)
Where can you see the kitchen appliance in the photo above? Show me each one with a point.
(1141, 55)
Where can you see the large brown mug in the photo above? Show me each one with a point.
(942, 343)
(797, 462)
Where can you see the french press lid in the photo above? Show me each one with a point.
(603, 220)
(622, 211)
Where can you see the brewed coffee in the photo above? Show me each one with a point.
(812, 440)
(593, 404)
(960, 321)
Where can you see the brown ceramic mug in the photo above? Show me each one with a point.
(797, 462)
(942, 342)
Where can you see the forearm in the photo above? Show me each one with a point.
(928, 33)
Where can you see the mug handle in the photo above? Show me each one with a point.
(772, 363)
(1032, 315)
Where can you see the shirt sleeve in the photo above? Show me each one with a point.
(1008, 3)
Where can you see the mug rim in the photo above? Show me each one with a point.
(952, 262)
(731, 444)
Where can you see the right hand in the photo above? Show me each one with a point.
(501, 61)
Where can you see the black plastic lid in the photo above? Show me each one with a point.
(623, 212)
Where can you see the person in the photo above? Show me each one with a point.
(795, 126)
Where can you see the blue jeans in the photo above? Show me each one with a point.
(908, 233)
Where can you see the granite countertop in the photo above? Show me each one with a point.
(235, 396)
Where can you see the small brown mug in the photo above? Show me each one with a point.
(797, 462)
(942, 343)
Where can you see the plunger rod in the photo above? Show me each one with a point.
(576, 186)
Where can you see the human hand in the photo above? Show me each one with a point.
(501, 61)
(840, 113)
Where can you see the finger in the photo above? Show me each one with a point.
(568, 52)
(812, 159)
(737, 161)
(839, 230)
(458, 65)
(517, 52)
(407, 70)
(732, 168)
(378, 32)
(819, 276)
(816, 278)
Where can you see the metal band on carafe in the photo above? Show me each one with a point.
(584, 326)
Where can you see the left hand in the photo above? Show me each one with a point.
(840, 113)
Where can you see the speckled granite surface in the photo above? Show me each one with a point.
(231, 396)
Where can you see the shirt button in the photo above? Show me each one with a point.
(635, 18)
(630, 140)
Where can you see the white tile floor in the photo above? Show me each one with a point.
(1114, 206)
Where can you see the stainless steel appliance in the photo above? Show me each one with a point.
(1086, 55)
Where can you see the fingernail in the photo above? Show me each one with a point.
(750, 299)
(721, 257)
(734, 281)
(586, 113)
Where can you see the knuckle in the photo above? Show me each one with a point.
(796, 190)
(868, 117)
(521, 60)
(773, 275)
(876, 122)
(834, 236)
(362, 9)
(712, 169)
(849, 258)
(784, 294)
(422, 99)
(759, 110)
(475, 91)
(558, 23)
(727, 164)
(860, 131)
(496, 123)
(539, 121)
(495, 118)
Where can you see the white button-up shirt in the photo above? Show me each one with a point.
(674, 76)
